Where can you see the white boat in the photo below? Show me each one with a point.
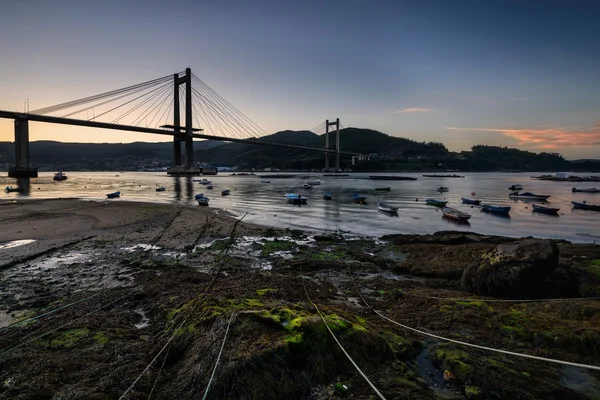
(313, 182)
(387, 208)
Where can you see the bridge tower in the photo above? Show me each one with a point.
(185, 166)
(332, 146)
(22, 168)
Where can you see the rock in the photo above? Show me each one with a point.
(513, 270)
(449, 376)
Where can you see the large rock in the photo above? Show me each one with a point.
(518, 270)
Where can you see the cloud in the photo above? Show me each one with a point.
(414, 109)
(549, 138)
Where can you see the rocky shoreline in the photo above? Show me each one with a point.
(113, 298)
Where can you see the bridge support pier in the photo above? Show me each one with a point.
(22, 168)
(332, 146)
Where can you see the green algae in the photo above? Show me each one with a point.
(262, 292)
(476, 303)
(453, 359)
(101, 338)
(273, 246)
(65, 339)
(471, 391)
(593, 266)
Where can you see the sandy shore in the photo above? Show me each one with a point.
(108, 292)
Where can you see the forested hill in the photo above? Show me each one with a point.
(362, 141)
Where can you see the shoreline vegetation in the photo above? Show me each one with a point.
(101, 299)
(386, 153)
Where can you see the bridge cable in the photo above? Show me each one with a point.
(512, 353)
(215, 118)
(129, 101)
(218, 113)
(159, 99)
(126, 113)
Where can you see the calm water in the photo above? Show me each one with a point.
(265, 205)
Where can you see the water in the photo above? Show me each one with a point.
(265, 205)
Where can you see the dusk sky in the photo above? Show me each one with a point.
(514, 73)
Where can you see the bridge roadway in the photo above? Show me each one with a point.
(103, 125)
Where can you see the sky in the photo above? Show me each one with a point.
(520, 73)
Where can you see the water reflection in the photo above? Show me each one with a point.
(24, 185)
(177, 188)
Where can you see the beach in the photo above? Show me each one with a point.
(104, 299)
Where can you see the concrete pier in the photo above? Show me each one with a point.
(22, 168)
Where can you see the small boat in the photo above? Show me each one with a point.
(226, 192)
(470, 201)
(12, 190)
(358, 198)
(545, 210)
(585, 206)
(453, 213)
(443, 176)
(113, 195)
(295, 198)
(336, 175)
(160, 189)
(201, 199)
(383, 189)
(391, 178)
(327, 196)
(587, 190)
(209, 186)
(387, 208)
(313, 182)
(307, 186)
(528, 196)
(515, 187)
(203, 181)
(495, 209)
(442, 189)
(437, 203)
(59, 176)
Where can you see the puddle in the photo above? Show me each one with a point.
(433, 376)
(579, 381)
(144, 323)
(15, 243)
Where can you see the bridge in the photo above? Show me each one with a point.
(156, 101)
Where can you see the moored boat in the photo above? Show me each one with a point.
(437, 203)
(209, 186)
(443, 176)
(113, 195)
(387, 208)
(453, 213)
(59, 176)
(313, 181)
(528, 196)
(358, 198)
(225, 192)
(12, 190)
(327, 196)
(470, 201)
(515, 187)
(544, 209)
(391, 178)
(495, 209)
(383, 189)
(585, 206)
(307, 186)
(586, 190)
(160, 189)
(201, 199)
(295, 198)
(442, 189)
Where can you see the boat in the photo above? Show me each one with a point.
(470, 201)
(295, 198)
(242, 174)
(443, 176)
(59, 176)
(442, 189)
(585, 206)
(528, 196)
(358, 198)
(435, 202)
(12, 190)
(387, 208)
(586, 190)
(515, 187)
(276, 176)
(313, 182)
(225, 192)
(201, 199)
(327, 196)
(336, 175)
(495, 209)
(391, 178)
(383, 189)
(209, 186)
(160, 189)
(545, 210)
(113, 195)
(205, 182)
(264, 181)
(453, 213)
(307, 186)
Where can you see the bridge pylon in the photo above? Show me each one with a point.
(22, 168)
(332, 146)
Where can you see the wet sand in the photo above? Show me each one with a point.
(121, 280)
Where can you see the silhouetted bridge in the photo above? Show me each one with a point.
(158, 100)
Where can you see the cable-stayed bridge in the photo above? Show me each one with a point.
(156, 107)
